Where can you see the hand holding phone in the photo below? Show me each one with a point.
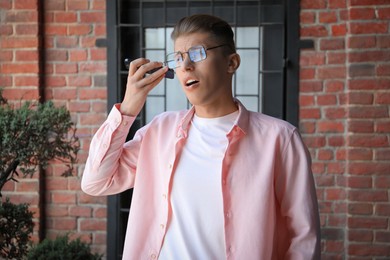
(170, 74)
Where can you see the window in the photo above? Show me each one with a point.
(266, 34)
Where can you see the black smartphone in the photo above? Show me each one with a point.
(170, 74)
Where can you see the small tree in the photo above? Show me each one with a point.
(32, 135)
(16, 227)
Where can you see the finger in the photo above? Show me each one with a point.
(148, 68)
(154, 78)
(135, 64)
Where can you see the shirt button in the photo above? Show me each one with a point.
(153, 256)
(164, 196)
(170, 166)
(105, 146)
(162, 226)
(125, 123)
(228, 215)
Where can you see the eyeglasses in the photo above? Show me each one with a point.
(195, 54)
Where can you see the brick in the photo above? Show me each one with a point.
(362, 182)
(367, 223)
(334, 86)
(56, 29)
(310, 86)
(99, 5)
(328, 17)
(65, 17)
(384, 13)
(26, 81)
(100, 30)
(77, 5)
(309, 113)
(382, 154)
(90, 94)
(332, 233)
(332, 44)
(93, 67)
(78, 55)
(21, 17)
(382, 236)
(26, 29)
(361, 235)
(368, 2)
(55, 5)
(336, 57)
(382, 209)
(335, 194)
(92, 17)
(66, 68)
(80, 29)
(25, 4)
(337, 4)
(92, 225)
(80, 211)
(99, 54)
(306, 100)
(55, 81)
(360, 209)
(64, 224)
(382, 98)
(368, 250)
(64, 94)
(383, 182)
(382, 127)
(361, 70)
(330, 127)
(63, 198)
(100, 212)
(56, 55)
(368, 140)
(99, 107)
(19, 42)
(66, 42)
(79, 81)
(361, 98)
(100, 81)
(307, 17)
(360, 126)
(368, 168)
(369, 27)
(20, 68)
(19, 94)
(26, 55)
(368, 56)
(57, 211)
(336, 167)
(369, 84)
(314, 31)
(77, 106)
(315, 142)
(383, 70)
(368, 195)
(326, 100)
(313, 4)
(339, 30)
(336, 72)
(362, 13)
(369, 112)
(361, 42)
(335, 113)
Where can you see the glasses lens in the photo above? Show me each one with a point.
(174, 60)
(197, 53)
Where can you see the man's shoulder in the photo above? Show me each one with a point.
(269, 123)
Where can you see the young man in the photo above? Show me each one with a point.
(214, 182)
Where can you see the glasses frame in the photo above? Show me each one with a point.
(189, 56)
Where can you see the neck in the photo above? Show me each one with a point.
(216, 110)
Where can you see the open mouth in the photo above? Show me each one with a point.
(191, 82)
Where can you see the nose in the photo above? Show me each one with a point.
(187, 64)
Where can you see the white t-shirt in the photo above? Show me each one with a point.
(196, 230)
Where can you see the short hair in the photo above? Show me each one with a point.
(206, 23)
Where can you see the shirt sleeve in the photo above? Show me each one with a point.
(109, 168)
(296, 193)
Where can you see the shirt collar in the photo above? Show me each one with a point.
(241, 122)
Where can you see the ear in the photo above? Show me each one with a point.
(234, 62)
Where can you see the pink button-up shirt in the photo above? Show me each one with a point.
(269, 196)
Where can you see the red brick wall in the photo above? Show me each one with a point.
(75, 76)
(345, 98)
(344, 114)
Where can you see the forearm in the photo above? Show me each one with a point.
(107, 170)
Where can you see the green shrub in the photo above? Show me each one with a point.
(16, 227)
(62, 248)
(32, 135)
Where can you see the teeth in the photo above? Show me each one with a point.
(190, 82)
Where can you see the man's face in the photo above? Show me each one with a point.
(207, 83)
